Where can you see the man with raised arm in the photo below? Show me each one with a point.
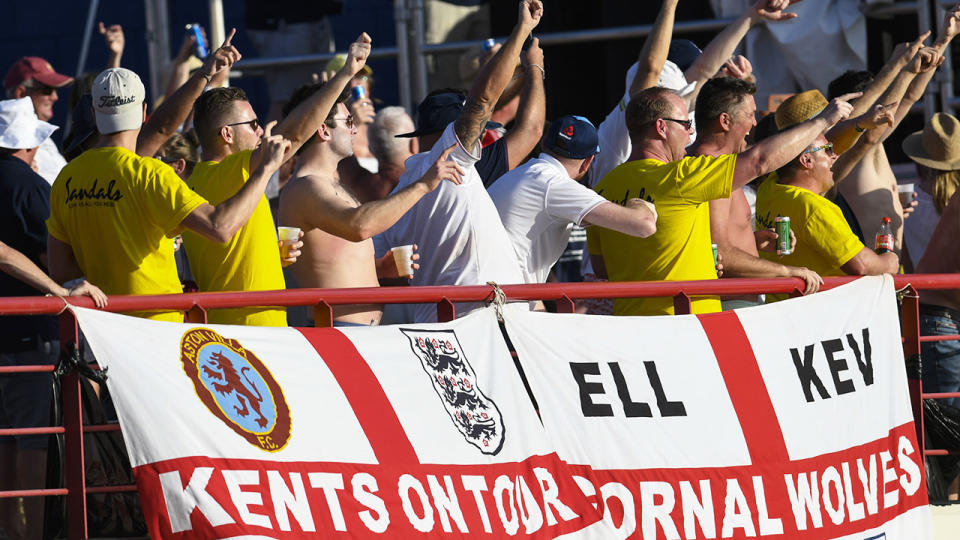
(114, 214)
(870, 188)
(681, 187)
(228, 130)
(725, 115)
(461, 238)
(338, 228)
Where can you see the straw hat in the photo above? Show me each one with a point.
(800, 108)
(938, 145)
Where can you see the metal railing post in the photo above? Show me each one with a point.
(923, 24)
(322, 315)
(76, 477)
(416, 48)
(401, 15)
(681, 304)
(910, 328)
(446, 311)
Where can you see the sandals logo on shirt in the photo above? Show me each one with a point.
(95, 195)
(237, 388)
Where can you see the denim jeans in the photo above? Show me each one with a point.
(940, 359)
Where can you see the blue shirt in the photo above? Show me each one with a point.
(24, 209)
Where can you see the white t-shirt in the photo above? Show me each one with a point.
(539, 203)
(456, 228)
(49, 161)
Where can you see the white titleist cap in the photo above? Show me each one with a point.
(118, 100)
(19, 126)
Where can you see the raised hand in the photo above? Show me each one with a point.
(926, 59)
(358, 54)
(878, 115)
(113, 37)
(772, 10)
(223, 58)
(737, 67)
(839, 110)
(951, 23)
(530, 13)
(273, 149)
(443, 169)
(533, 55)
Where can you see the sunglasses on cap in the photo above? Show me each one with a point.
(828, 147)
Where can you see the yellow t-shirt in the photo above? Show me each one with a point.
(250, 261)
(680, 249)
(119, 213)
(824, 239)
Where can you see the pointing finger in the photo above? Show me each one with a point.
(848, 97)
(102, 29)
(267, 129)
(226, 42)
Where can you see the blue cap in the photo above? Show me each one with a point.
(572, 137)
(436, 112)
(683, 53)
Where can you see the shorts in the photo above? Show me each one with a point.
(25, 397)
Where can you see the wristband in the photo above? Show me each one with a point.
(542, 71)
(857, 127)
(209, 78)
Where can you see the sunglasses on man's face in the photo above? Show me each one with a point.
(41, 89)
(254, 124)
(348, 121)
(687, 124)
(827, 147)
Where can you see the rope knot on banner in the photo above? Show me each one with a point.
(499, 298)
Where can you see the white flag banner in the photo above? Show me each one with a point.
(386, 432)
(790, 420)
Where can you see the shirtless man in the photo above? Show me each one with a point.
(337, 226)
(725, 114)
(871, 188)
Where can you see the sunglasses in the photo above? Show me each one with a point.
(687, 124)
(349, 121)
(41, 88)
(254, 124)
(828, 147)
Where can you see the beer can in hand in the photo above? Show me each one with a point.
(782, 228)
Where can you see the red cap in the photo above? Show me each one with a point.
(36, 68)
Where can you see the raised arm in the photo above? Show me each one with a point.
(531, 111)
(329, 212)
(494, 77)
(298, 126)
(654, 52)
(722, 47)
(113, 37)
(219, 223)
(778, 150)
(899, 59)
(171, 114)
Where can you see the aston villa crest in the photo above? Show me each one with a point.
(474, 414)
(236, 387)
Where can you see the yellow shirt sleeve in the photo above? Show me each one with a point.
(705, 178)
(168, 200)
(830, 235)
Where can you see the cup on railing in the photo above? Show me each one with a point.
(288, 236)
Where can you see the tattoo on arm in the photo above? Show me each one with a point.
(471, 123)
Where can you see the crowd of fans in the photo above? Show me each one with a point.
(481, 186)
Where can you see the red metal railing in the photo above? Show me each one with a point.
(564, 294)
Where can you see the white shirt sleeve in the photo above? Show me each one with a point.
(568, 200)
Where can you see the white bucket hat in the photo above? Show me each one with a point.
(118, 97)
(19, 126)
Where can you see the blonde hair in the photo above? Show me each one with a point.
(944, 185)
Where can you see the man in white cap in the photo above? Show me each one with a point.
(114, 214)
(24, 340)
(35, 78)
